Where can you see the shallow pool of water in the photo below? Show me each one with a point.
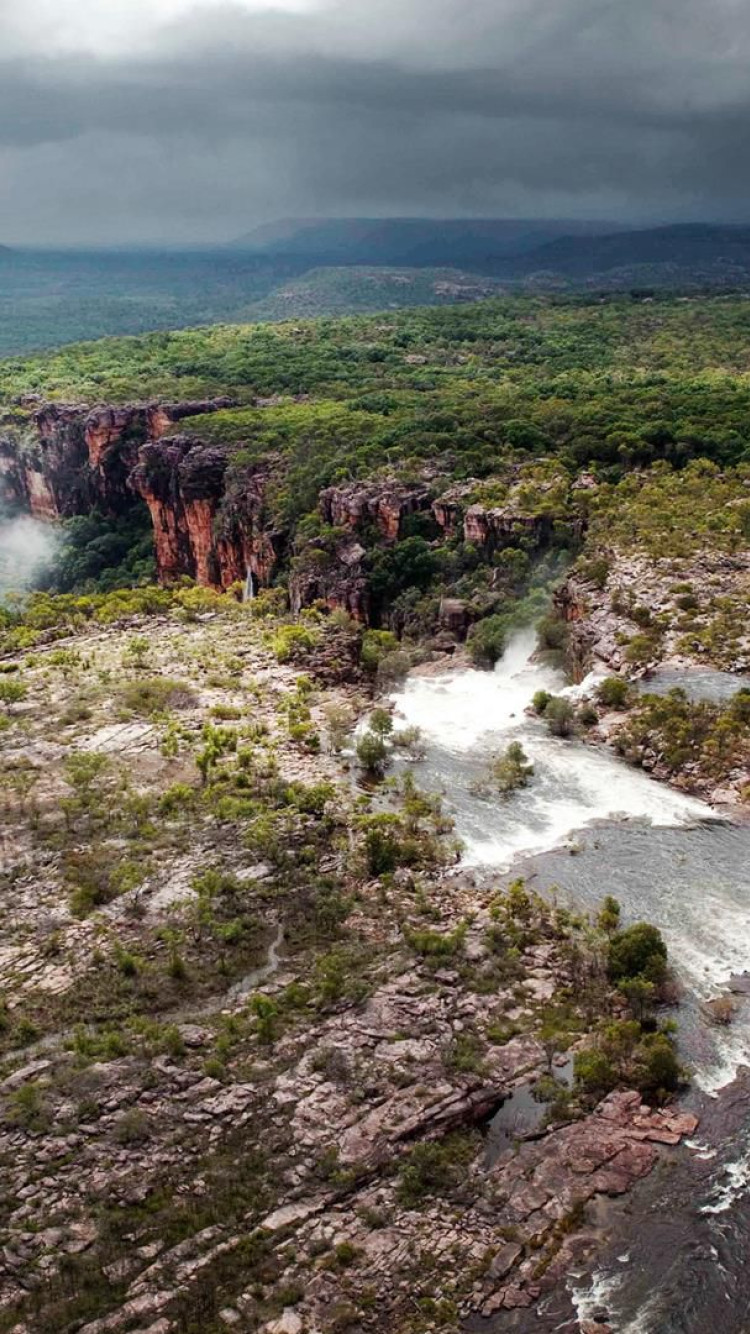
(699, 683)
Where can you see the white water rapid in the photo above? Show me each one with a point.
(679, 1263)
(665, 856)
(467, 717)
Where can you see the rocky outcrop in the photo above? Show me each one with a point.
(114, 435)
(333, 576)
(62, 459)
(516, 523)
(205, 525)
(455, 617)
(690, 611)
(182, 484)
(44, 464)
(493, 529)
(448, 515)
(385, 504)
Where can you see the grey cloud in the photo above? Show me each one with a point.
(636, 111)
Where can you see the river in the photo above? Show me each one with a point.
(672, 1260)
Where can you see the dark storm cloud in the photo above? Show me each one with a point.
(638, 110)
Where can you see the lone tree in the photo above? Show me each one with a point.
(559, 716)
(381, 723)
(372, 754)
(512, 769)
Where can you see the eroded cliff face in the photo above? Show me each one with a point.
(210, 515)
(384, 504)
(518, 522)
(334, 577)
(204, 527)
(62, 459)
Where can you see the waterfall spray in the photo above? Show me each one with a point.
(27, 548)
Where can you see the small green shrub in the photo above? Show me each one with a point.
(613, 692)
(153, 695)
(512, 769)
(540, 701)
(372, 754)
(435, 1169)
(638, 951)
(292, 642)
(559, 716)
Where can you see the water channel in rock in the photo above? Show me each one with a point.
(590, 825)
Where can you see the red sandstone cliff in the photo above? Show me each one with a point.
(210, 516)
(202, 527)
(62, 459)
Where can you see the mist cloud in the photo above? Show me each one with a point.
(187, 122)
(27, 547)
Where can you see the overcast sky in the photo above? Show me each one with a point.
(190, 120)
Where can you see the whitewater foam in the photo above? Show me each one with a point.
(467, 717)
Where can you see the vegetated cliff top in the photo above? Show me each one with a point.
(611, 383)
(534, 340)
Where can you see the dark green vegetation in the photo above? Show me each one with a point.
(572, 373)
(102, 553)
(709, 739)
(638, 1050)
(48, 298)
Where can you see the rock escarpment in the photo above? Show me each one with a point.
(386, 504)
(635, 611)
(215, 516)
(334, 575)
(62, 459)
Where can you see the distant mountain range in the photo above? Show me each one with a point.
(690, 249)
(410, 242)
(571, 252)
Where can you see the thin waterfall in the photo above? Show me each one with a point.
(249, 593)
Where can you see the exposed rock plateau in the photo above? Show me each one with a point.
(230, 1047)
